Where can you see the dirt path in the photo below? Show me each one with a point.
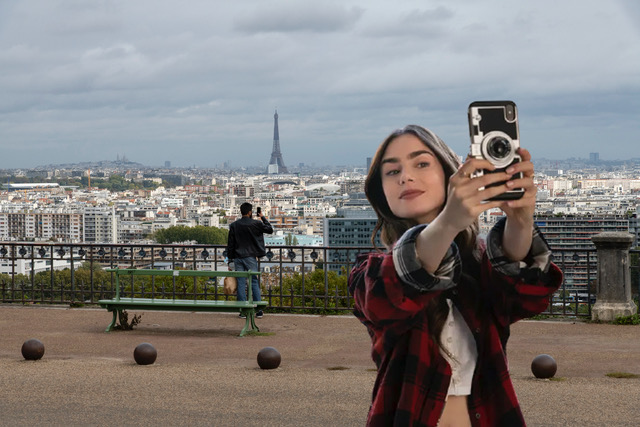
(206, 375)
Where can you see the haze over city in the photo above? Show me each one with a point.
(198, 83)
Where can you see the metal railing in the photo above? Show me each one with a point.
(294, 278)
(305, 278)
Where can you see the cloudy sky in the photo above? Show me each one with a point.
(197, 82)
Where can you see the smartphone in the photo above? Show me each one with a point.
(493, 126)
(259, 210)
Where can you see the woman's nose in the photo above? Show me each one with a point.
(405, 177)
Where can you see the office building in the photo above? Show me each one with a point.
(570, 237)
(348, 232)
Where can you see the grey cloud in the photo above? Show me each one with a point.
(159, 81)
(436, 14)
(632, 12)
(422, 25)
(296, 16)
(85, 22)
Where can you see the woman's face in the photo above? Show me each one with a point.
(412, 179)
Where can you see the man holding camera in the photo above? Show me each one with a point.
(245, 246)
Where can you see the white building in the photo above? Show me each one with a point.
(40, 224)
(209, 220)
(24, 266)
(100, 225)
(172, 202)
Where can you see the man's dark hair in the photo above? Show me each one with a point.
(245, 208)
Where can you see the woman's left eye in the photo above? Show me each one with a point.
(423, 164)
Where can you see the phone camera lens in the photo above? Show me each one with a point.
(509, 112)
(499, 148)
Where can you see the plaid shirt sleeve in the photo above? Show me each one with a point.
(410, 269)
(392, 288)
(520, 289)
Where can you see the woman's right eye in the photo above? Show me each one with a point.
(392, 172)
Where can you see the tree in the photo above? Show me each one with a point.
(200, 234)
(318, 289)
(290, 240)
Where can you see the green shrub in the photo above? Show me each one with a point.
(634, 319)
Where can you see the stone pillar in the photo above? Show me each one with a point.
(613, 294)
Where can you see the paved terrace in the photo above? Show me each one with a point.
(206, 375)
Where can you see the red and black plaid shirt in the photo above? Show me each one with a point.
(391, 292)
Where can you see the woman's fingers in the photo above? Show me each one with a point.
(472, 193)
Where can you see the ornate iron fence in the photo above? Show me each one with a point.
(294, 278)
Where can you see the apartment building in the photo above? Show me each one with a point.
(570, 236)
(60, 226)
(315, 223)
(100, 225)
(286, 222)
(575, 232)
(131, 230)
(208, 219)
(352, 186)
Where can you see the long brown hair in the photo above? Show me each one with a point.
(392, 227)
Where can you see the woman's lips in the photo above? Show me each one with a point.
(410, 194)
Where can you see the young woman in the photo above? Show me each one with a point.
(438, 303)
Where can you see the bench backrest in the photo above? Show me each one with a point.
(176, 273)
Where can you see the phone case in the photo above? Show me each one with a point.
(495, 124)
(488, 116)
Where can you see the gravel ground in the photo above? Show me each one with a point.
(206, 375)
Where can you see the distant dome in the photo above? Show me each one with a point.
(326, 187)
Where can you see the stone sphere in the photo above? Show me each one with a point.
(145, 354)
(544, 366)
(269, 358)
(32, 349)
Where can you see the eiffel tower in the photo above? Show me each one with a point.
(276, 164)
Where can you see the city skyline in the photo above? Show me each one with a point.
(257, 167)
(198, 85)
(580, 157)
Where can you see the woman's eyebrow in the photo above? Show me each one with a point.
(412, 155)
(419, 152)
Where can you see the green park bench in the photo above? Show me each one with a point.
(120, 303)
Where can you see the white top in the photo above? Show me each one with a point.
(458, 340)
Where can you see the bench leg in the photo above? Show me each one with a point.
(254, 327)
(113, 321)
(249, 323)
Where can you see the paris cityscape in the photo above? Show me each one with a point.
(125, 202)
(133, 200)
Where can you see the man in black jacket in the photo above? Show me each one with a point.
(245, 246)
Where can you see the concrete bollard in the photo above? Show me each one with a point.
(613, 294)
